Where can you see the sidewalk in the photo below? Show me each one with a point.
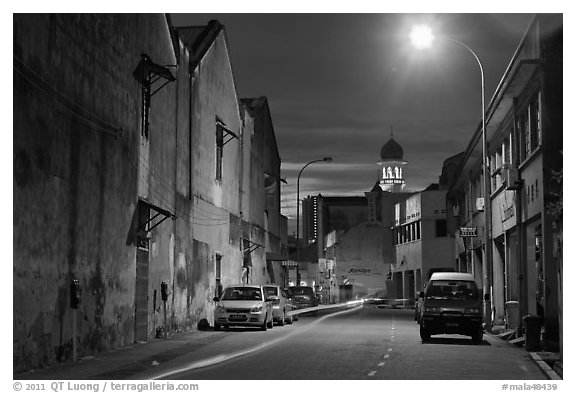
(128, 361)
(549, 362)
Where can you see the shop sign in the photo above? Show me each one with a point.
(468, 231)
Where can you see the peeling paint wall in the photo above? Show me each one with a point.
(364, 258)
(82, 168)
(75, 178)
(216, 209)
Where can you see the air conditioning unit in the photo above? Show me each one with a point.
(510, 177)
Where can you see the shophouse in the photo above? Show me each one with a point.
(522, 274)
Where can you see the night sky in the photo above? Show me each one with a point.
(337, 84)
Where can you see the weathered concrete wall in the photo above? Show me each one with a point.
(75, 183)
(216, 204)
(214, 97)
(364, 258)
(81, 165)
(263, 206)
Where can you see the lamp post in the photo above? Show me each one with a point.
(422, 37)
(328, 159)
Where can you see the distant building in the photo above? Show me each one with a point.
(422, 241)
(352, 235)
(392, 166)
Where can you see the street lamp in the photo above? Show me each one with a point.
(422, 37)
(328, 159)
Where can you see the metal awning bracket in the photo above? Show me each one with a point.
(251, 246)
(158, 212)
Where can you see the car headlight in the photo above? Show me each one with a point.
(432, 309)
(256, 309)
(472, 311)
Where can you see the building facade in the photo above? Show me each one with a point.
(131, 183)
(422, 241)
(522, 274)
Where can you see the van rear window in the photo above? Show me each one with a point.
(452, 289)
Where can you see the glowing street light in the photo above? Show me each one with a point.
(422, 37)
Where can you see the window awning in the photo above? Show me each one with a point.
(250, 246)
(159, 216)
(228, 134)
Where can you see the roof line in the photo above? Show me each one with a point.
(490, 108)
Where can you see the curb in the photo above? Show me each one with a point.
(546, 369)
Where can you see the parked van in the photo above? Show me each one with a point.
(451, 304)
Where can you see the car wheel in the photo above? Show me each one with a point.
(282, 320)
(424, 333)
(290, 320)
(264, 325)
(477, 334)
(217, 327)
(271, 323)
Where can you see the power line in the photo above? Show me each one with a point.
(94, 120)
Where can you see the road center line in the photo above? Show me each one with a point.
(371, 373)
(223, 358)
(381, 364)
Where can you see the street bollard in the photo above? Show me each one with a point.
(532, 324)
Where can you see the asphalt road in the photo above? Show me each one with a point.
(362, 344)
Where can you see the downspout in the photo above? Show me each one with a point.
(521, 255)
(190, 113)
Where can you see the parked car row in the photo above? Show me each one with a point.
(254, 306)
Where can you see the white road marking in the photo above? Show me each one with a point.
(386, 356)
(389, 349)
(381, 364)
(223, 358)
(371, 373)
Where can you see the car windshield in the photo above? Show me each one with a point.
(242, 293)
(452, 289)
(301, 291)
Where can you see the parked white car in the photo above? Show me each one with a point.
(282, 306)
(243, 305)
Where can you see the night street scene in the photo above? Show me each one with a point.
(284, 199)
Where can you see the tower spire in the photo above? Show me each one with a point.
(391, 131)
